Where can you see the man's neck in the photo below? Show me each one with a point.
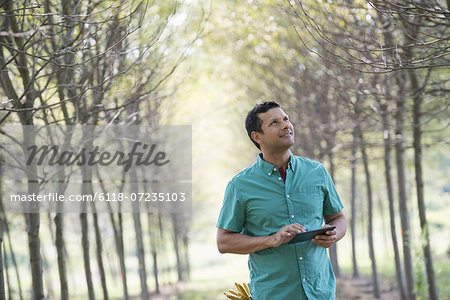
(279, 159)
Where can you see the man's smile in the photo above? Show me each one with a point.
(287, 134)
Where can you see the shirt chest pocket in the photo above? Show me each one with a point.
(309, 208)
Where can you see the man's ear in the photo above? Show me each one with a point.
(256, 136)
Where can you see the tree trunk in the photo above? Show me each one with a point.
(2, 278)
(123, 268)
(33, 220)
(26, 118)
(8, 282)
(86, 256)
(162, 248)
(59, 237)
(375, 279)
(98, 240)
(417, 133)
(13, 258)
(139, 239)
(118, 238)
(153, 248)
(86, 189)
(141, 255)
(186, 255)
(410, 34)
(333, 248)
(403, 197)
(10, 291)
(60, 249)
(353, 203)
(177, 246)
(47, 277)
(390, 193)
(33, 224)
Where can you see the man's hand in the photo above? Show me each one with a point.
(332, 236)
(286, 234)
(325, 240)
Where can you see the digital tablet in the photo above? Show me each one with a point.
(307, 235)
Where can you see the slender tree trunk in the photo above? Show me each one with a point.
(26, 118)
(140, 254)
(13, 258)
(390, 193)
(417, 133)
(165, 268)
(333, 248)
(153, 248)
(134, 187)
(86, 255)
(118, 239)
(33, 225)
(8, 282)
(122, 256)
(139, 238)
(177, 247)
(353, 203)
(47, 277)
(403, 197)
(375, 279)
(33, 221)
(86, 189)
(60, 249)
(98, 240)
(2, 278)
(186, 255)
(4, 225)
(59, 224)
(59, 237)
(410, 34)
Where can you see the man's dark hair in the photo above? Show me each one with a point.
(253, 123)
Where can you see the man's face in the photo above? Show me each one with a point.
(278, 132)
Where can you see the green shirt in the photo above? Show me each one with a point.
(257, 202)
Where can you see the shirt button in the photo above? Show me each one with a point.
(292, 216)
(268, 173)
(288, 196)
(301, 258)
(274, 169)
(279, 178)
(304, 279)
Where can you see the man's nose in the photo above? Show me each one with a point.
(286, 124)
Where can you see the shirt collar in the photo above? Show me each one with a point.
(269, 168)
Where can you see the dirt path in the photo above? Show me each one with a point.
(349, 288)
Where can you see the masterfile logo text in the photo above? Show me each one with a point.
(97, 168)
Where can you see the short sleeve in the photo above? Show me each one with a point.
(232, 214)
(332, 203)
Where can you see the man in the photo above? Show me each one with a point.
(270, 202)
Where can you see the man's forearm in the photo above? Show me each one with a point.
(234, 242)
